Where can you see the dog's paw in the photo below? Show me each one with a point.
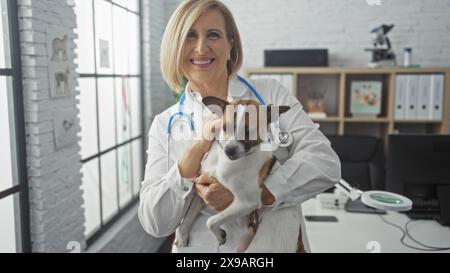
(222, 237)
(181, 240)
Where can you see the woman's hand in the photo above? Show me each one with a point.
(218, 197)
(209, 132)
(190, 161)
(213, 193)
(267, 197)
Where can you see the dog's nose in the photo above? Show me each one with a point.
(231, 152)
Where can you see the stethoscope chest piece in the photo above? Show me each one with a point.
(283, 143)
(284, 139)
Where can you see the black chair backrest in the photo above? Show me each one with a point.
(362, 160)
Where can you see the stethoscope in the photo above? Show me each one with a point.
(284, 138)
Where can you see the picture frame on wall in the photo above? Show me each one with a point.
(65, 129)
(58, 62)
(104, 53)
(366, 98)
(315, 104)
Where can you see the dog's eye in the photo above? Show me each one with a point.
(224, 128)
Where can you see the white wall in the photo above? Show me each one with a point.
(344, 28)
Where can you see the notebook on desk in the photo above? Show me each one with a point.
(359, 207)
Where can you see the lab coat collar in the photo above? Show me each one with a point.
(236, 88)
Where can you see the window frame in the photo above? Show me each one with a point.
(105, 225)
(23, 233)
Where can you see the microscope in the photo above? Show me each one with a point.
(382, 54)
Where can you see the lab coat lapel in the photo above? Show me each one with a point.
(182, 136)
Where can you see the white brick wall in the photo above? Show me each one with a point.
(158, 95)
(343, 27)
(54, 174)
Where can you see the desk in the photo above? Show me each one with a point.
(354, 231)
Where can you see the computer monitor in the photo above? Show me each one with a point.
(418, 166)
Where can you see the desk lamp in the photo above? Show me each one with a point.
(376, 199)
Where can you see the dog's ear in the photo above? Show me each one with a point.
(216, 105)
(273, 108)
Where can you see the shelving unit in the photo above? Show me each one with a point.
(336, 82)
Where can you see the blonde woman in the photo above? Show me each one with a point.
(202, 44)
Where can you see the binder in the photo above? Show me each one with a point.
(412, 87)
(423, 102)
(437, 96)
(400, 98)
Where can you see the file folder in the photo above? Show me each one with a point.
(412, 88)
(400, 98)
(437, 96)
(423, 102)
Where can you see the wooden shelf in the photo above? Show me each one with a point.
(336, 81)
(327, 119)
(418, 121)
(346, 70)
(366, 120)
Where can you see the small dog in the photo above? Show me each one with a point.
(241, 166)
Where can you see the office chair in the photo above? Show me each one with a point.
(362, 160)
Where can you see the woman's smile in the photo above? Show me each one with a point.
(202, 63)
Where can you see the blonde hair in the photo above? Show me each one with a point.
(176, 32)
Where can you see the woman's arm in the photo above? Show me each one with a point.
(168, 192)
(312, 167)
(190, 162)
(164, 191)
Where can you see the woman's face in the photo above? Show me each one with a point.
(206, 49)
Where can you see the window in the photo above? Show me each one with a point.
(14, 227)
(110, 96)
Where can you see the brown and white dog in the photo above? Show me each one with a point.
(241, 166)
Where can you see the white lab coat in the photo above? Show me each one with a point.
(165, 196)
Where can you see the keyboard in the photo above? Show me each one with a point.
(424, 209)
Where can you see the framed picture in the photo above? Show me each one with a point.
(65, 129)
(315, 104)
(365, 98)
(58, 69)
(104, 53)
